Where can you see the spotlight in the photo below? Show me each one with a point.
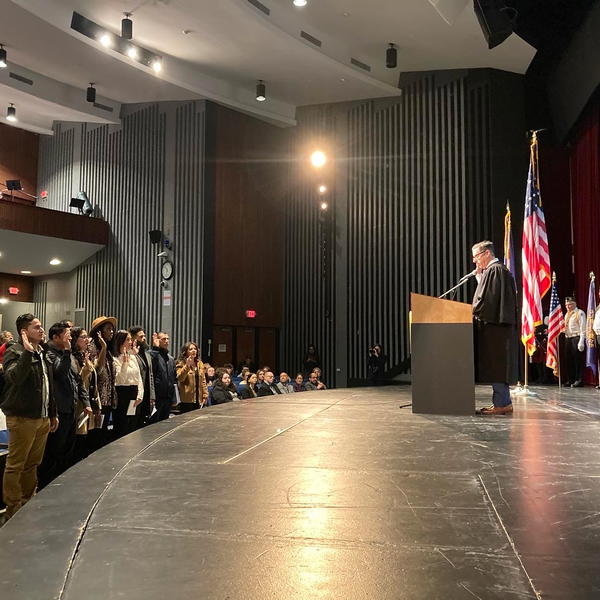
(11, 113)
(157, 66)
(132, 52)
(90, 95)
(300, 2)
(106, 40)
(324, 205)
(322, 189)
(2, 57)
(391, 57)
(318, 159)
(261, 93)
(82, 204)
(127, 27)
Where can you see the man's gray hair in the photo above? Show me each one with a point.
(483, 246)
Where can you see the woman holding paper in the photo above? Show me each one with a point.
(128, 382)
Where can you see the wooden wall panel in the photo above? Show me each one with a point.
(19, 158)
(25, 285)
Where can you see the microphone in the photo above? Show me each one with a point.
(469, 275)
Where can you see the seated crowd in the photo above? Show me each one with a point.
(70, 393)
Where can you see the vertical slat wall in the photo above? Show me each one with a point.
(309, 309)
(189, 213)
(40, 295)
(418, 195)
(123, 170)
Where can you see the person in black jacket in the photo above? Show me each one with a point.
(269, 388)
(220, 392)
(144, 359)
(28, 403)
(68, 390)
(165, 375)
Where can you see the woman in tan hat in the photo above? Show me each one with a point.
(102, 332)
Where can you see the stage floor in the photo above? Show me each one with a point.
(337, 494)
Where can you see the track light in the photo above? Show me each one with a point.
(127, 27)
(261, 94)
(11, 113)
(2, 57)
(91, 94)
(391, 57)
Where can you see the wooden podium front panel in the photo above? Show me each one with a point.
(426, 309)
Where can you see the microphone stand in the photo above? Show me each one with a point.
(461, 282)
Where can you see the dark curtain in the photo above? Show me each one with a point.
(585, 205)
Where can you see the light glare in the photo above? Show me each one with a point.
(106, 40)
(55, 261)
(132, 52)
(318, 159)
(322, 189)
(157, 66)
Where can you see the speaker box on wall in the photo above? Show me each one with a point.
(495, 19)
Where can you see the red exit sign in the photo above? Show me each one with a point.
(13, 291)
(251, 314)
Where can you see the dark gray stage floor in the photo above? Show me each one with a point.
(337, 494)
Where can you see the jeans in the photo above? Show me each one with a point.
(501, 394)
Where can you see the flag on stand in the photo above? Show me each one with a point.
(509, 249)
(590, 336)
(535, 255)
(556, 325)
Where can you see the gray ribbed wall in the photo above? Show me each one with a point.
(414, 183)
(145, 174)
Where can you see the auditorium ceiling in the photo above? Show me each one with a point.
(326, 51)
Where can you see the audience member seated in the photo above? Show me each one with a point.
(210, 375)
(299, 383)
(221, 392)
(284, 385)
(249, 389)
(260, 376)
(6, 339)
(268, 387)
(313, 383)
(193, 391)
(317, 370)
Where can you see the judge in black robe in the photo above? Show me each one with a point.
(495, 327)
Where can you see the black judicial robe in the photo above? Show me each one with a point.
(495, 326)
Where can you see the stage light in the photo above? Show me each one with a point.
(55, 261)
(318, 159)
(11, 113)
(127, 27)
(132, 52)
(322, 189)
(391, 57)
(300, 2)
(157, 66)
(324, 205)
(106, 40)
(261, 91)
(2, 57)
(90, 95)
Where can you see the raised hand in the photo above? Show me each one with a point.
(135, 348)
(155, 339)
(25, 339)
(102, 342)
(190, 362)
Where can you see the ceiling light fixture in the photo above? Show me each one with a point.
(322, 189)
(132, 52)
(11, 113)
(3, 300)
(106, 40)
(55, 261)
(90, 95)
(2, 57)
(300, 2)
(261, 93)
(157, 66)
(26, 272)
(127, 27)
(391, 57)
(318, 159)
(324, 205)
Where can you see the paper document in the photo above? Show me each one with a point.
(131, 409)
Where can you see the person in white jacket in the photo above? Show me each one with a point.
(575, 328)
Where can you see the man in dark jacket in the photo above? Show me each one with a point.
(495, 327)
(68, 388)
(268, 387)
(144, 358)
(28, 403)
(165, 377)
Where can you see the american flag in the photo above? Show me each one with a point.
(535, 256)
(556, 325)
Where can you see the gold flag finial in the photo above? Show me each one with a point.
(553, 276)
(592, 276)
(507, 206)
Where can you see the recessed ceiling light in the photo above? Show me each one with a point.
(3, 300)
(322, 189)
(300, 2)
(157, 66)
(105, 40)
(324, 205)
(55, 261)
(26, 272)
(132, 52)
(318, 158)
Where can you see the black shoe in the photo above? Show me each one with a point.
(578, 383)
(568, 384)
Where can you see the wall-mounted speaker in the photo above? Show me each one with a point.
(496, 20)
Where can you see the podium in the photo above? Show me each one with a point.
(443, 378)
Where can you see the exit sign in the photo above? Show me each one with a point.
(13, 291)
(251, 314)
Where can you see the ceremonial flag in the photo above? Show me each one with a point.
(535, 255)
(509, 249)
(556, 325)
(590, 336)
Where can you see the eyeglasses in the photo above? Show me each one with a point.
(479, 254)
